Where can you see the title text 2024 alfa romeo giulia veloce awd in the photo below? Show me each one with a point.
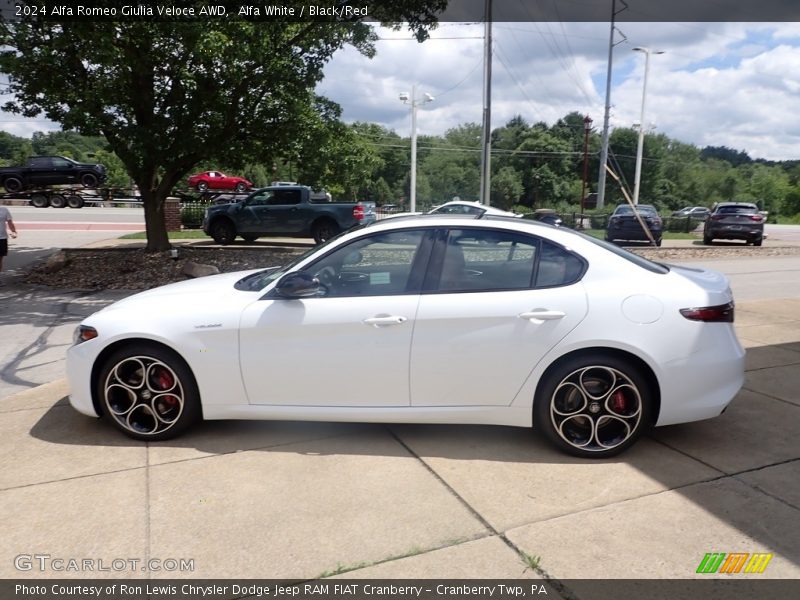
(425, 319)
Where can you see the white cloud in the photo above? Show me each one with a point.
(731, 84)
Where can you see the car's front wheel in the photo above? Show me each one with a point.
(148, 392)
(202, 187)
(89, 180)
(223, 232)
(593, 406)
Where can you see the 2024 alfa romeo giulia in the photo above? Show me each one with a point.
(425, 319)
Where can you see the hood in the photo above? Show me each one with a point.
(211, 289)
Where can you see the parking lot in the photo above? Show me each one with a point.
(304, 500)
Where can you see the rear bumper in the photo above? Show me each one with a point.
(735, 232)
(702, 384)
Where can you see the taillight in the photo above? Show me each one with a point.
(757, 217)
(717, 217)
(358, 212)
(722, 313)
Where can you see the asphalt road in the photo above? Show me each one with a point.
(28, 217)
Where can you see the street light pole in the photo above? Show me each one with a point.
(640, 146)
(414, 102)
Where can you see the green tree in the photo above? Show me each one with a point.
(506, 188)
(169, 95)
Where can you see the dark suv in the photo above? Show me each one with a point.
(735, 221)
(624, 225)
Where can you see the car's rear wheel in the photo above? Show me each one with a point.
(223, 232)
(758, 242)
(593, 406)
(202, 186)
(12, 184)
(240, 187)
(324, 230)
(148, 392)
(89, 180)
(75, 202)
(707, 240)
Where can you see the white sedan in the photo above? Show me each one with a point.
(428, 319)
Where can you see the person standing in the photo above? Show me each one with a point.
(6, 226)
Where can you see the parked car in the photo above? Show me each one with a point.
(695, 212)
(547, 215)
(465, 207)
(426, 319)
(214, 180)
(735, 221)
(285, 210)
(623, 225)
(51, 170)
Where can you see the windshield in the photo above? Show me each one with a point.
(256, 282)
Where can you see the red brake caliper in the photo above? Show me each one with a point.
(618, 402)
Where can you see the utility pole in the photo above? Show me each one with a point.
(587, 127)
(486, 135)
(601, 181)
(637, 178)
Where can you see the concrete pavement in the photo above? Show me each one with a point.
(301, 500)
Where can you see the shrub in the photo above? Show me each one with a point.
(192, 215)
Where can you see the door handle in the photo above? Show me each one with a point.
(385, 321)
(542, 314)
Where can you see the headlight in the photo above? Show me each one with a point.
(83, 333)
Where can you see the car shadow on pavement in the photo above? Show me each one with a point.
(732, 473)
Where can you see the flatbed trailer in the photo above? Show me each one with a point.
(72, 196)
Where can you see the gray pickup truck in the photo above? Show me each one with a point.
(286, 210)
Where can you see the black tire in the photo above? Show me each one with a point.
(240, 187)
(571, 408)
(758, 242)
(249, 237)
(707, 240)
(13, 184)
(89, 180)
(223, 232)
(148, 392)
(202, 187)
(40, 200)
(658, 242)
(75, 202)
(58, 201)
(324, 230)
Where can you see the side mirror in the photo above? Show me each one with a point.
(298, 285)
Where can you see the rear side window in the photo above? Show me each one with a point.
(473, 260)
(558, 266)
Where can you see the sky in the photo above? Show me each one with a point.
(717, 84)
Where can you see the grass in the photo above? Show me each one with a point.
(667, 235)
(532, 562)
(189, 234)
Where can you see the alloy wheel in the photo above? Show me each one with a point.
(596, 408)
(144, 395)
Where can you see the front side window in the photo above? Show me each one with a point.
(61, 163)
(263, 198)
(377, 265)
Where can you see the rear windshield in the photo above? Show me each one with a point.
(627, 210)
(737, 210)
(639, 261)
